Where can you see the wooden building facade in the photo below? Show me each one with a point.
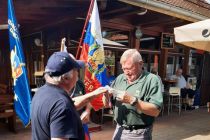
(139, 24)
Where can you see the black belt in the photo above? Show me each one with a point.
(134, 127)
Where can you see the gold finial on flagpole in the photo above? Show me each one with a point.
(63, 44)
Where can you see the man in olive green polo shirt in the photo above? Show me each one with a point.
(140, 100)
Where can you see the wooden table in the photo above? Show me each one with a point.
(168, 83)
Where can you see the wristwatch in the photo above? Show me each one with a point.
(134, 102)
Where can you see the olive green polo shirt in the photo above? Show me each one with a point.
(146, 88)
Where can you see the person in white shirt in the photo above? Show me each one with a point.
(182, 83)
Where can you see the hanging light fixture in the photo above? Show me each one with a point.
(138, 33)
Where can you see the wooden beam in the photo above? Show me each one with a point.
(158, 22)
(163, 64)
(115, 11)
(161, 10)
(205, 79)
(120, 26)
(134, 42)
(150, 32)
(186, 61)
(120, 15)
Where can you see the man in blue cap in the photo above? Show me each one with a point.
(53, 113)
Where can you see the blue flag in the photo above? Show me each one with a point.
(22, 93)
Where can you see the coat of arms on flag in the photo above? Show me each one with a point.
(93, 54)
(21, 88)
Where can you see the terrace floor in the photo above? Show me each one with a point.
(190, 125)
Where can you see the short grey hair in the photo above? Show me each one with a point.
(58, 79)
(133, 53)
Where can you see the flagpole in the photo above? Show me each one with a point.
(84, 29)
(63, 40)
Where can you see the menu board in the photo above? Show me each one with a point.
(167, 41)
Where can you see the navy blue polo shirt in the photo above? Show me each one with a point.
(53, 115)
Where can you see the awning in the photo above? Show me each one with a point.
(195, 35)
(110, 42)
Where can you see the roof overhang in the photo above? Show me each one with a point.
(167, 9)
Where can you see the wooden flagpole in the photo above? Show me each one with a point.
(63, 40)
(84, 29)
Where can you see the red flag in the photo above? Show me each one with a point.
(93, 54)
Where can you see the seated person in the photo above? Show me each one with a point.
(185, 87)
(110, 77)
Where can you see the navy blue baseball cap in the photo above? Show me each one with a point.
(80, 62)
(60, 63)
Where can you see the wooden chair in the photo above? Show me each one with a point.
(7, 108)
